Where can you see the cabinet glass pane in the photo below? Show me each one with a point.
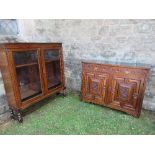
(25, 57)
(51, 55)
(27, 71)
(52, 63)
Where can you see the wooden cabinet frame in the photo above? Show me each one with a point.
(9, 74)
(119, 87)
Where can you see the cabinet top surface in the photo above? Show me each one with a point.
(19, 43)
(25, 44)
(118, 64)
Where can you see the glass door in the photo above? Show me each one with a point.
(27, 73)
(52, 67)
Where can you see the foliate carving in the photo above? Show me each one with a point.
(126, 71)
(90, 67)
(96, 68)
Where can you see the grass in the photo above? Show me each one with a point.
(70, 116)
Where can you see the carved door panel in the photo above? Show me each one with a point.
(125, 92)
(95, 87)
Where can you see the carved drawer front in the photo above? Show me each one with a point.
(125, 93)
(95, 87)
(95, 68)
(129, 72)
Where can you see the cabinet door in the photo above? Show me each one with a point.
(27, 74)
(95, 87)
(125, 93)
(52, 70)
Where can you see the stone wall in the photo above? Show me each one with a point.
(4, 109)
(128, 41)
(8, 33)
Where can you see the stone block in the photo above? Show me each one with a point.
(149, 103)
(120, 30)
(8, 27)
(103, 30)
(2, 90)
(3, 100)
(4, 108)
(73, 83)
(144, 27)
(4, 117)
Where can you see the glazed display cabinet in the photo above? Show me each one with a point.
(116, 87)
(31, 72)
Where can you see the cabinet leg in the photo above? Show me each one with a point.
(12, 113)
(20, 118)
(16, 115)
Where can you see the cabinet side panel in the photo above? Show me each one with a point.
(4, 67)
(62, 66)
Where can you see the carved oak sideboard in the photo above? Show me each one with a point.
(117, 87)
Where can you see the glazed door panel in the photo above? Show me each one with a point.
(52, 69)
(95, 87)
(27, 73)
(125, 92)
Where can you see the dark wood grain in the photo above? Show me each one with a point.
(117, 87)
(9, 72)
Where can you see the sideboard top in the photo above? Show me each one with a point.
(120, 64)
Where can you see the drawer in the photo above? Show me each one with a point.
(95, 68)
(129, 72)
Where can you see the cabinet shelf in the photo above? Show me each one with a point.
(26, 65)
(48, 61)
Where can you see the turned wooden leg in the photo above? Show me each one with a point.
(16, 115)
(19, 117)
(12, 113)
